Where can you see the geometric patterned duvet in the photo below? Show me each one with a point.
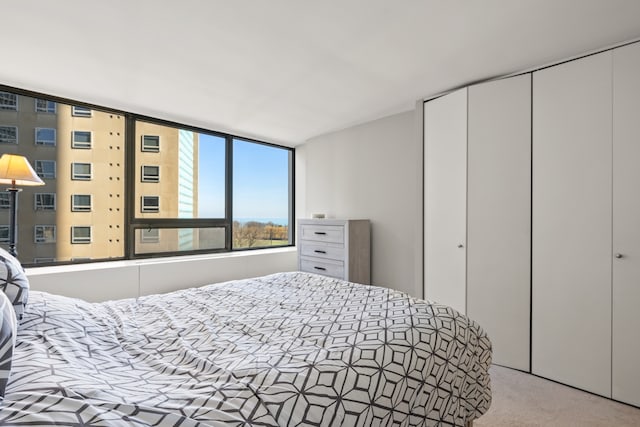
(281, 350)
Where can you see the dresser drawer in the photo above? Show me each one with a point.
(322, 233)
(326, 267)
(322, 250)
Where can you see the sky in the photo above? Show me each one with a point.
(260, 179)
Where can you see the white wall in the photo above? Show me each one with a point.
(127, 279)
(371, 171)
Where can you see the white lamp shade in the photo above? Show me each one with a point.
(16, 170)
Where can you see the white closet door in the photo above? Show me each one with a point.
(499, 216)
(571, 228)
(445, 150)
(626, 224)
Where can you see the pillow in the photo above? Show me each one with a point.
(8, 331)
(14, 282)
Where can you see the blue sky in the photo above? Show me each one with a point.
(260, 179)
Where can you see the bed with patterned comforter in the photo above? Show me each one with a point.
(280, 350)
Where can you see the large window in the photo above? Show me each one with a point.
(122, 186)
(261, 195)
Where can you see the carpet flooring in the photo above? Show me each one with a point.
(523, 400)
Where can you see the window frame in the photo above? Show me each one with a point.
(76, 207)
(133, 146)
(149, 209)
(38, 165)
(154, 178)
(43, 227)
(80, 111)
(150, 149)
(81, 240)
(47, 109)
(15, 128)
(9, 107)
(81, 176)
(83, 145)
(41, 206)
(45, 142)
(5, 200)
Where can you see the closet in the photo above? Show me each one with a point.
(532, 217)
(477, 209)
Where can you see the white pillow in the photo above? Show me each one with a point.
(8, 331)
(14, 282)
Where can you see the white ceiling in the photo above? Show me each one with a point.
(288, 70)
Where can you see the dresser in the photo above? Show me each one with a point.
(339, 248)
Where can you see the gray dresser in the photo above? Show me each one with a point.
(338, 248)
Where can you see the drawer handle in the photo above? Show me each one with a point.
(322, 233)
(320, 268)
(320, 252)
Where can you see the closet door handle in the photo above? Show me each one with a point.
(460, 246)
(619, 256)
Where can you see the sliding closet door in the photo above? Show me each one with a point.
(571, 229)
(626, 224)
(445, 150)
(499, 216)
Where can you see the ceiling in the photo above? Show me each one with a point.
(288, 70)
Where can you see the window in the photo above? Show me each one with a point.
(46, 168)
(116, 211)
(81, 139)
(45, 136)
(4, 234)
(45, 106)
(8, 101)
(150, 173)
(81, 202)
(81, 111)
(261, 195)
(81, 171)
(45, 202)
(81, 234)
(151, 143)
(5, 201)
(45, 233)
(150, 235)
(150, 203)
(8, 134)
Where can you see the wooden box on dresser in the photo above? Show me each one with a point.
(338, 248)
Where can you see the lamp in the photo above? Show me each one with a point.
(16, 170)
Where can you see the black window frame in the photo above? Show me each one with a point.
(131, 220)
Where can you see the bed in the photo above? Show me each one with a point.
(280, 350)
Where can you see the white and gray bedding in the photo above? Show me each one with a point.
(280, 350)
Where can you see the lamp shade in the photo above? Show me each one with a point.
(16, 170)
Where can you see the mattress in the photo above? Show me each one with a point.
(279, 350)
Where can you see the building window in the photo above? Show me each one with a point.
(45, 106)
(81, 111)
(45, 202)
(8, 101)
(81, 139)
(5, 202)
(45, 233)
(81, 171)
(151, 143)
(46, 136)
(46, 168)
(8, 134)
(4, 234)
(149, 235)
(150, 173)
(80, 234)
(81, 202)
(150, 203)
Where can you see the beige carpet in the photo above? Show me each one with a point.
(521, 399)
